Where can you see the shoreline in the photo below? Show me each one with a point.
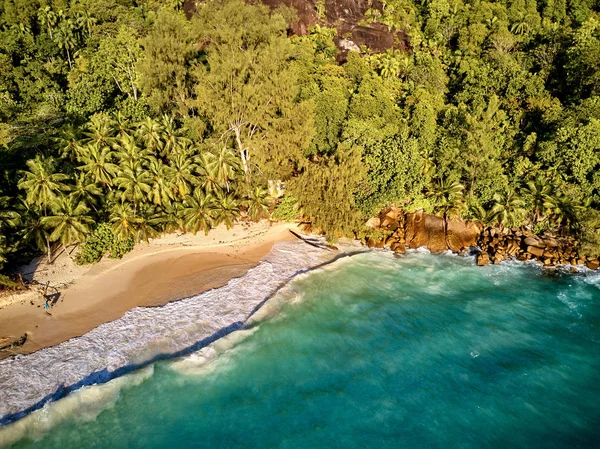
(168, 269)
(148, 334)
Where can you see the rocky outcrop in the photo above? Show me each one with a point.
(346, 16)
(399, 230)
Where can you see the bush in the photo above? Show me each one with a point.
(101, 242)
(286, 209)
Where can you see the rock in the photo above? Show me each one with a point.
(483, 259)
(460, 234)
(370, 242)
(532, 241)
(498, 258)
(379, 243)
(425, 230)
(398, 248)
(390, 224)
(536, 251)
(374, 223)
(593, 264)
(551, 242)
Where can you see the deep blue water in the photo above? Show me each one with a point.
(374, 351)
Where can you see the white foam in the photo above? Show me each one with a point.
(143, 333)
(83, 405)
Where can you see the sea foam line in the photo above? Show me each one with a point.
(144, 335)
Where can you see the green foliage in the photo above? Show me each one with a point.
(287, 209)
(137, 117)
(101, 242)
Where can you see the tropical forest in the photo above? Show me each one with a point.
(121, 120)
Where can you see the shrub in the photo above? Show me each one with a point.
(286, 209)
(103, 241)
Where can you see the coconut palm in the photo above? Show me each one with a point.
(150, 133)
(181, 174)
(168, 217)
(171, 138)
(66, 37)
(209, 172)
(69, 142)
(563, 209)
(85, 190)
(70, 222)
(447, 196)
(124, 221)
(8, 218)
(33, 232)
(99, 130)
(227, 164)
(41, 183)
(133, 183)
(540, 191)
(258, 202)
(128, 151)
(228, 209)
(97, 164)
(161, 189)
(198, 211)
(508, 209)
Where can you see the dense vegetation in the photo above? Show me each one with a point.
(125, 117)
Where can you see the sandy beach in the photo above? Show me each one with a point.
(169, 268)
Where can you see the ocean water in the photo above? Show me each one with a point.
(372, 351)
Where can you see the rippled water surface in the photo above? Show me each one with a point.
(374, 351)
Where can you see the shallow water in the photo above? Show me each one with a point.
(373, 351)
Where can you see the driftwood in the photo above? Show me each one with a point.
(13, 344)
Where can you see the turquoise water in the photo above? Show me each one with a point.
(374, 351)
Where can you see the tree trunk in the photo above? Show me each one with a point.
(49, 251)
(243, 153)
(69, 58)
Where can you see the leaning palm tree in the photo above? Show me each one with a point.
(258, 202)
(208, 171)
(70, 222)
(41, 183)
(563, 209)
(198, 212)
(508, 209)
(228, 209)
(69, 142)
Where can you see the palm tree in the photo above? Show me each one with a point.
(563, 209)
(70, 222)
(198, 211)
(258, 203)
(33, 232)
(228, 209)
(99, 130)
(85, 190)
(128, 151)
(181, 174)
(508, 209)
(209, 172)
(448, 196)
(540, 191)
(98, 164)
(69, 142)
(168, 217)
(226, 163)
(124, 221)
(150, 132)
(41, 183)
(65, 37)
(47, 18)
(161, 189)
(134, 183)
(8, 217)
(171, 138)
